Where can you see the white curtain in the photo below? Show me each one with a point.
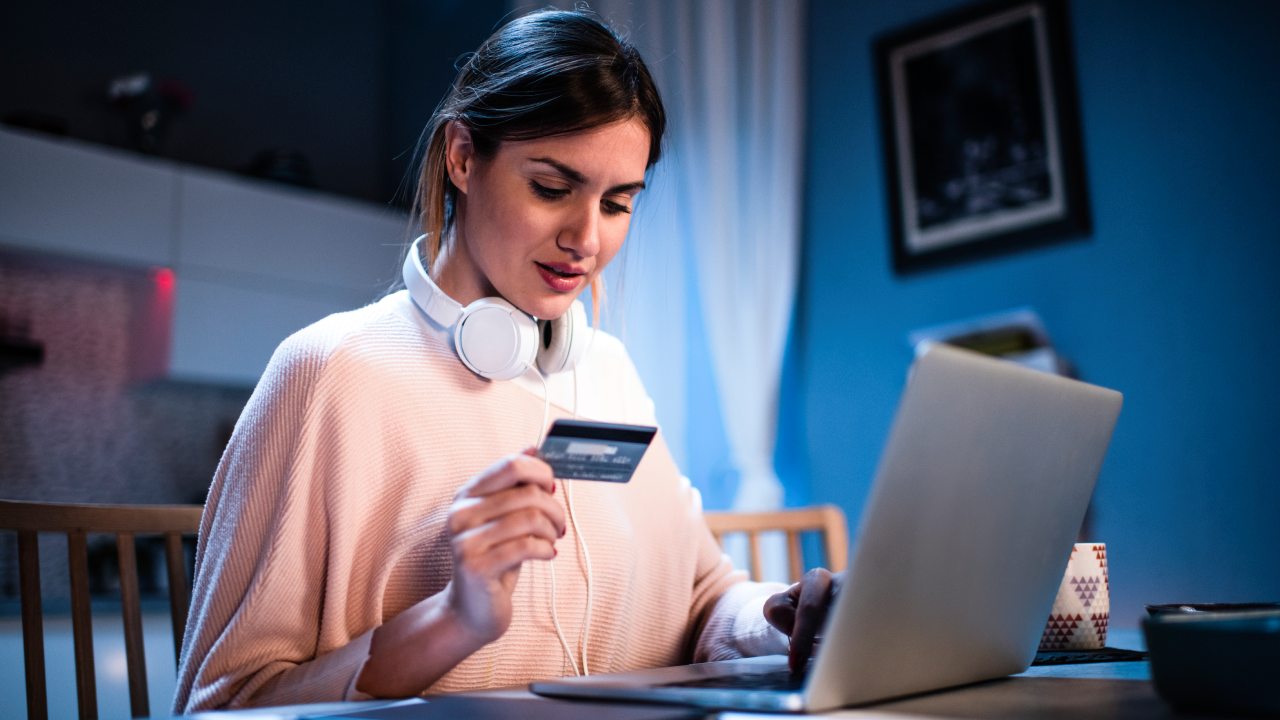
(727, 208)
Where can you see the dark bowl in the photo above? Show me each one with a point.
(1209, 607)
(1216, 661)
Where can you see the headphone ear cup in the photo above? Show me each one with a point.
(495, 339)
(563, 341)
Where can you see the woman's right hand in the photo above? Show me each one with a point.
(500, 518)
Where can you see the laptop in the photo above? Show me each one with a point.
(981, 490)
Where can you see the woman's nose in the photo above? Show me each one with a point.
(581, 231)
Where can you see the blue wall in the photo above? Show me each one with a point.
(1172, 300)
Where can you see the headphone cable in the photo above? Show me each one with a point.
(555, 618)
(586, 553)
(573, 520)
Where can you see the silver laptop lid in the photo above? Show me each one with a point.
(981, 490)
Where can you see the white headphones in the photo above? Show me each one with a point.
(494, 338)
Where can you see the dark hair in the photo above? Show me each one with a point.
(548, 73)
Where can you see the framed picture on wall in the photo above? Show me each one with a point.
(981, 133)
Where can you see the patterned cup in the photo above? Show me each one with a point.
(1083, 606)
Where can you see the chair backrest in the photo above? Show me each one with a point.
(828, 519)
(125, 521)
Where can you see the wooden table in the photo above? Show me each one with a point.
(1103, 691)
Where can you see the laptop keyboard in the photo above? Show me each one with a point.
(780, 680)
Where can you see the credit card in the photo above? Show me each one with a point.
(582, 450)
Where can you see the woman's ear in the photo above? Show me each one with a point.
(459, 154)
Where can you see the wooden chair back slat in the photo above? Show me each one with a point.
(82, 624)
(795, 558)
(131, 610)
(757, 557)
(175, 562)
(837, 536)
(77, 520)
(58, 517)
(32, 624)
(827, 519)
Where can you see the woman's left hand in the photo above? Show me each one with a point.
(801, 611)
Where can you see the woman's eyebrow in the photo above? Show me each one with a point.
(563, 169)
(577, 177)
(626, 187)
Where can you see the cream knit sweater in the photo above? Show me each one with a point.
(327, 515)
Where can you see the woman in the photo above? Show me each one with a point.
(355, 544)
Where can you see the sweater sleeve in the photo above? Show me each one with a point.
(737, 627)
(252, 633)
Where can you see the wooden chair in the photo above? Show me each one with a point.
(125, 521)
(828, 519)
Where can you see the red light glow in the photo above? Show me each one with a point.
(163, 278)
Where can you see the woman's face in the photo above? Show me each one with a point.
(539, 220)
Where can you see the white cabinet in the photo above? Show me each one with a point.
(251, 227)
(77, 199)
(227, 332)
(253, 261)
